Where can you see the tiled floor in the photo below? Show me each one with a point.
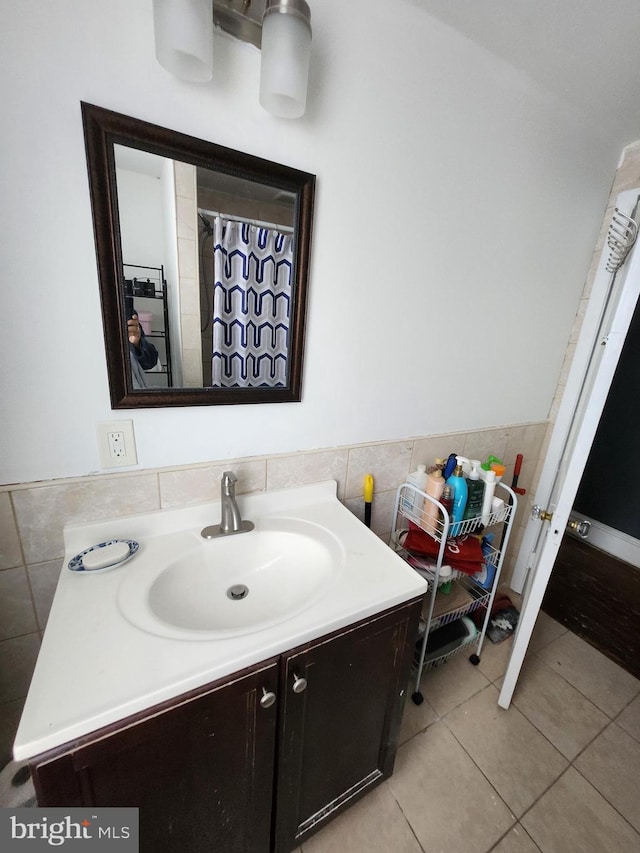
(559, 771)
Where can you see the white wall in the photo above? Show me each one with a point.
(142, 227)
(457, 208)
(140, 208)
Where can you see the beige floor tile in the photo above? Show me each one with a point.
(545, 631)
(416, 718)
(445, 798)
(517, 840)
(612, 765)
(518, 761)
(629, 719)
(572, 816)
(563, 715)
(449, 685)
(373, 825)
(601, 680)
(494, 658)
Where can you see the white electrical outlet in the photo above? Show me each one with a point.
(116, 443)
(117, 446)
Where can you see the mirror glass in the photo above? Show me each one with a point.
(203, 256)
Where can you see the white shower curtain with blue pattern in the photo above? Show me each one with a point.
(251, 305)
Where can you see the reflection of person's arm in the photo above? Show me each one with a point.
(146, 353)
(143, 350)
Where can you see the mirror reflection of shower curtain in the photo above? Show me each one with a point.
(251, 305)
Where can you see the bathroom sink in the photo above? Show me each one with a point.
(122, 641)
(192, 588)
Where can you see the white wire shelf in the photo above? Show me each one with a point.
(439, 661)
(424, 566)
(474, 597)
(412, 503)
(468, 592)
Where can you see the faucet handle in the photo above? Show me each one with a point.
(229, 480)
(230, 518)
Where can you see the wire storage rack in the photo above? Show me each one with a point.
(146, 284)
(445, 626)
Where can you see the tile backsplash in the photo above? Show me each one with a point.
(32, 516)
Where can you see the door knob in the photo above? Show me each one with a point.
(267, 699)
(580, 528)
(542, 514)
(299, 684)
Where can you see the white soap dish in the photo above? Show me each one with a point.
(105, 555)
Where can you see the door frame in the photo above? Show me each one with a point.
(615, 542)
(607, 318)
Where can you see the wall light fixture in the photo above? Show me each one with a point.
(280, 28)
(184, 38)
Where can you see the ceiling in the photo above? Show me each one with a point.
(587, 52)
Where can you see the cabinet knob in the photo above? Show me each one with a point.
(299, 684)
(267, 699)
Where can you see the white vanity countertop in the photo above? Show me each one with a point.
(95, 667)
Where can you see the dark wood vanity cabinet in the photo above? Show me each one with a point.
(338, 736)
(200, 770)
(217, 771)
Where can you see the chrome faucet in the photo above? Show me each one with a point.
(230, 518)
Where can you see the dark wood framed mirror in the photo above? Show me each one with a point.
(207, 248)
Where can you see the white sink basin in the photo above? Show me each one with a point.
(197, 589)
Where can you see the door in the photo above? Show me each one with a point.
(609, 313)
(612, 513)
(341, 707)
(200, 771)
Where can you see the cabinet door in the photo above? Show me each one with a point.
(339, 734)
(201, 772)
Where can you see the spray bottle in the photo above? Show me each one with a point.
(492, 464)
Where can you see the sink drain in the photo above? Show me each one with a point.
(237, 592)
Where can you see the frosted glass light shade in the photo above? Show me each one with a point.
(284, 70)
(184, 38)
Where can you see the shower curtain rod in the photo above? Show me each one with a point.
(288, 229)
